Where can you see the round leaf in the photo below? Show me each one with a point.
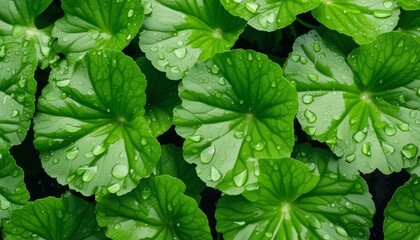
(90, 127)
(156, 209)
(362, 20)
(312, 199)
(162, 98)
(17, 91)
(177, 34)
(269, 15)
(365, 108)
(402, 215)
(13, 192)
(97, 24)
(236, 108)
(52, 218)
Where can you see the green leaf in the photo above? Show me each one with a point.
(236, 108)
(13, 192)
(162, 97)
(172, 163)
(365, 108)
(17, 24)
(177, 34)
(362, 20)
(156, 209)
(402, 214)
(97, 24)
(410, 23)
(269, 15)
(17, 91)
(409, 5)
(90, 127)
(318, 198)
(52, 218)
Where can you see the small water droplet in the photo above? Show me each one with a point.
(71, 178)
(252, 7)
(350, 157)
(409, 151)
(268, 234)
(222, 81)
(316, 47)
(117, 226)
(239, 134)
(130, 13)
(273, 84)
(313, 77)
(303, 60)
(311, 166)
(63, 83)
(4, 203)
(207, 154)
(90, 173)
(404, 127)
(72, 153)
(143, 141)
(120, 170)
(295, 57)
(14, 113)
(145, 193)
(215, 69)
(310, 116)
(240, 178)
(162, 62)
(413, 114)
(215, 174)
(114, 188)
(259, 145)
(382, 13)
(307, 98)
(388, 4)
(366, 149)
(341, 231)
(311, 130)
(71, 128)
(390, 130)
(196, 138)
(98, 149)
(359, 136)
(154, 49)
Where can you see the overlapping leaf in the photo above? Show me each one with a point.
(17, 91)
(13, 193)
(17, 24)
(409, 23)
(318, 198)
(269, 15)
(402, 215)
(364, 107)
(362, 20)
(52, 218)
(90, 127)
(236, 108)
(410, 5)
(177, 34)
(97, 24)
(156, 209)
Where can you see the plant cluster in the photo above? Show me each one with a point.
(279, 105)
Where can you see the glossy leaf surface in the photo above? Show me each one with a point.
(236, 108)
(156, 209)
(177, 34)
(365, 106)
(90, 127)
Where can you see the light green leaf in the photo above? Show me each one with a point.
(318, 198)
(17, 24)
(236, 108)
(177, 34)
(269, 15)
(172, 163)
(362, 20)
(156, 209)
(17, 91)
(364, 107)
(410, 23)
(90, 127)
(162, 97)
(409, 5)
(13, 193)
(402, 214)
(52, 218)
(97, 24)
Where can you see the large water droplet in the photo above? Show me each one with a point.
(180, 52)
(98, 150)
(72, 153)
(310, 116)
(382, 13)
(313, 77)
(359, 136)
(63, 83)
(120, 170)
(114, 188)
(215, 174)
(390, 130)
(90, 173)
(366, 149)
(307, 98)
(409, 151)
(207, 154)
(240, 178)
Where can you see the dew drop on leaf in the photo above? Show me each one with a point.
(98, 150)
(215, 174)
(130, 13)
(207, 154)
(341, 231)
(310, 116)
(120, 170)
(180, 52)
(238, 134)
(307, 98)
(404, 127)
(215, 69)
(222, 81)
(359, 136)
(388, 149)
(390, 130)
(388, 4)
(382, 13)
(409, 151)
(196, 138)
(90, 173)
(350, 157)
(316, 47)
(114, 188)
(145, 193)
(252, 7)
(259, 145)
(63, 83)
(311, 166)
(240, 178)
(72, 153)
(366, 149)
(313, 77)
(4, 204)
(311, 130)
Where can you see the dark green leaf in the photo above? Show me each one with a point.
(410, 23)
(409, 4)
(90, 127)
(156, 209)
(236, 108)
(177, 34)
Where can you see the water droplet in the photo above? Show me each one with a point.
(404, 127)
(215, 174)
(196, 138)
(114, 188)
(237, 1)
(316, 47)
(350, 157)
(390, 130)
(180, 52)
(239, 134)
(273, 84)
(120, 170)
(71, 178)
(215, 69)
(117, 226)
(222, 81)
(359, 136)
(130, 13)
(207, 154)
(63, 83)
(2, 52)
(388, 4)
(295, 57)
(413, 114)
(307, 99)
(154, 49)
(311, 166)
(310, 116)
(162, 62)
(313, 77)
(240, 178)
(71, 128)
(14, 113)
(268, 234)
(303, 60)
(252, 7)
(4, 203)
(72, 153)
(409, 151)
(311, 130)
(366, 149)
(143, 141)
(145, 193)
(169, 207)
(90, 173)
(98, 149)
(382, 13)
(259, 145)
(401, 43)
